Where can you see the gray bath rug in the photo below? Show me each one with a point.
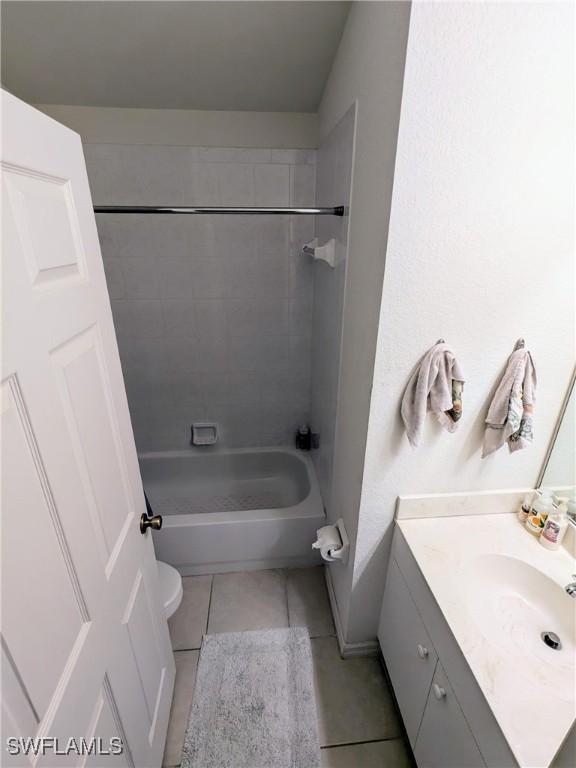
(254, 703)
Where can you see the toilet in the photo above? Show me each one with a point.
(170, 587)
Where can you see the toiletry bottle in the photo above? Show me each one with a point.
(304, 438)
(524, 510)
(541, 508)
(555, 527)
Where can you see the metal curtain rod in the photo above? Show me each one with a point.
(337, 210)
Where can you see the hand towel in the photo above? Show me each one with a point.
(510, 415)
(435, 385)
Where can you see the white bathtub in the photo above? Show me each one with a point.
(234, 510)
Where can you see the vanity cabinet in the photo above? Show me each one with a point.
(435, 725)
(444, 738)
(447, 719)
(408, 651)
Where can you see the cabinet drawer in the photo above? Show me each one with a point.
(408, 651)
(444, 739)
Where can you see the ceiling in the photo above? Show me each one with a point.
(257, 56)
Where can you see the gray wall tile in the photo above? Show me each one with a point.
(140, 277)
(302, 185)
(179, 317)
(235, 183)
(138, 319)
(232, 155)
(253, 318)
(213, 313)
(114, 278)
(272, 185)
(293, 156)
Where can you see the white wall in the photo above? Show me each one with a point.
(368, 69)
(188, 127)
(480, 251)
(333, 186)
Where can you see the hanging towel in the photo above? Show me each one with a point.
(436, 385)
(510, 415)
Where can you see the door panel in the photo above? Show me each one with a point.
(444, 739)
(47, 225)
(105, 725)
(401, 632)
(78, 366)
(40, 561)
(85, 642)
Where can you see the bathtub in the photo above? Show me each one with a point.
(234, 510)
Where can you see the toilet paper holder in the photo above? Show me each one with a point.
(333, 543)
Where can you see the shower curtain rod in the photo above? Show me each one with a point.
(337, 210)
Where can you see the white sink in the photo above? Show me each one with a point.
(513, 603)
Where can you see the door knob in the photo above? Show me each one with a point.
(146, 522)
(422, 652)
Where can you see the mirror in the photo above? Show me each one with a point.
(559, 469)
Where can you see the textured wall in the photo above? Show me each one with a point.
(212, 313)
(480, 251)
(368, 70)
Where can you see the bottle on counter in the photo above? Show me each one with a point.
(524, 510)
(555, 527)
(541, 508)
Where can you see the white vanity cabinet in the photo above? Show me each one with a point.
(408, 651)
(447, 719)
(444, 738)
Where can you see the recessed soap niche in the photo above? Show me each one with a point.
(204, 433)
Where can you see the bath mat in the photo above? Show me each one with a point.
(254, 703)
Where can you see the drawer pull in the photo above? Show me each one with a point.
(439, 692)
(422, 652)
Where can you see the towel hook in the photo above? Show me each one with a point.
(520, 344)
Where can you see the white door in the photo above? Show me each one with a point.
(85, 645)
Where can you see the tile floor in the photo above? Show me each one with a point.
(357, 722)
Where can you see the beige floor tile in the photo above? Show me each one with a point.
(186, 663)
(376, 754)
(352, 697)
(188, 624)
(249, 600)
(308, 603)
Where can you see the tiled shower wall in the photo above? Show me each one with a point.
(333, 187)
(213, 314)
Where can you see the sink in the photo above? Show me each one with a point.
(513, 603)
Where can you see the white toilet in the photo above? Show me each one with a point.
(170, 587)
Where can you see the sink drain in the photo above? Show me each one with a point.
(552, 640)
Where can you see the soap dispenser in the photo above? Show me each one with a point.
(542, 506)
(555, 527)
